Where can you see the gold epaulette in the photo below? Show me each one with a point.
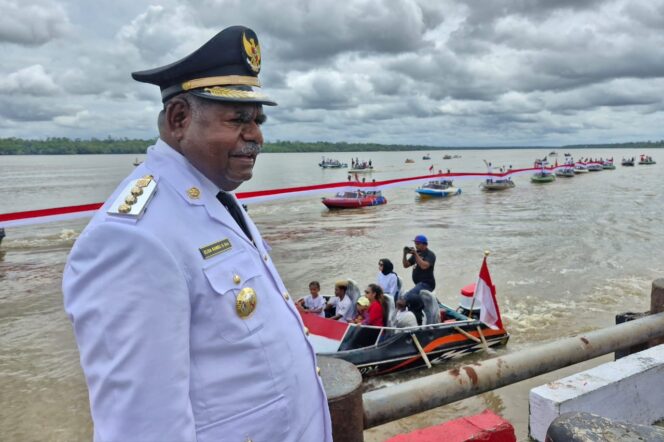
(133, 200)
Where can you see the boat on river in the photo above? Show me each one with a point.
(608, 165)
(627, 162)
(330, 163)
(137, 162)
(447, 157)
(595, 167)
(542, 177)
(646, 160)
(580, 168)
(408, 160)
(565, 172)
(438, 189)
(447, 334)
(500, 184)
(359, 198)
(426, 157)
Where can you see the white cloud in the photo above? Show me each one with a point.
(32, 80)
(31, 22)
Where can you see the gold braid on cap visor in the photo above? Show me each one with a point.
(225, 92)
(230, 80)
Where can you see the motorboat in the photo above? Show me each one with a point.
(595, 167)
(446, 334)
(500, 184)
(608, 165)
(580, 168)
(565, 172)
(438, 189)
(646, 160)
(426, 157)
(408, 160)
(330, 163)
(627, 162)
(447, 157)
(359, 198)
(542, 177)
(361, 167)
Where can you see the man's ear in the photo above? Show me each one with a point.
(178, 117)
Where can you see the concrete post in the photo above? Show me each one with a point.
(657, 304)
(343, 386)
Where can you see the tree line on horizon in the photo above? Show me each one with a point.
(77, 146)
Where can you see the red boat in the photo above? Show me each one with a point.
(348, 200)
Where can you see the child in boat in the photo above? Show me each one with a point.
(361, 307)
(404, 318)
(313, 302)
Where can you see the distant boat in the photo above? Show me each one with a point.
(408, 160)
(565, 172)
(137, 162)
(426, 157)
(329, 163)
(501, 184)
(553, 153)
(627, 162)
(447, 157)
(349, 200)
(543, 177)
(438, 189)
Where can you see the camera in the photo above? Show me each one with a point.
(408, 249)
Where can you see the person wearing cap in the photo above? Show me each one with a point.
(361, 307)
(185, 329)
(424, 261)
(342, 304)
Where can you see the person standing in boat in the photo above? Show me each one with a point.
(387, 279)
(424, 261)
(185, 329)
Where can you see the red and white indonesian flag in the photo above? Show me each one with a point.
(325, 334)
(485, 294)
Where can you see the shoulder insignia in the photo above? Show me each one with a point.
(133, 200)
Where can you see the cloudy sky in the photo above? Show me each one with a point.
(441, 73)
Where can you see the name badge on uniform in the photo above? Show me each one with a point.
(216, 248)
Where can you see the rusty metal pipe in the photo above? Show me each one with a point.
(411, 397)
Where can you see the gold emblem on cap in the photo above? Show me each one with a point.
(130, 199)
(124, 208)
(136, 190)
(237, 279)
(253, 52)
(145, 181)
(194, 193)
(245, 302)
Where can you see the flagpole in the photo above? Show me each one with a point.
(472, 302)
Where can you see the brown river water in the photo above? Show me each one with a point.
(565, 258)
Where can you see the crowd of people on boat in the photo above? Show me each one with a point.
(357, 164)
(379, 298)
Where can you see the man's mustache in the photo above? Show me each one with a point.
(251, 148)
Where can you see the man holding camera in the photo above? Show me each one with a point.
(424, 261)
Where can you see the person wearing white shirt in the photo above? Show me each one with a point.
(313, 303)
(404, 318)
(344, 311)
(386, 278)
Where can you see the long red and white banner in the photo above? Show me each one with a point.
(86, 210)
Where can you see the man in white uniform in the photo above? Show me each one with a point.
(342, 303)
(186, 331)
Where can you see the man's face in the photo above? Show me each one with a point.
(420, 246)
(214, 137)
(339, 291)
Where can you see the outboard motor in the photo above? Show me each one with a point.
(465, 301)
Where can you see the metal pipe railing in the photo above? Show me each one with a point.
(417, 395)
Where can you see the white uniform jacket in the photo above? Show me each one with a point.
(166, 354)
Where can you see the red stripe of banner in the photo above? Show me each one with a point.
(257, 195)
(48, 212)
